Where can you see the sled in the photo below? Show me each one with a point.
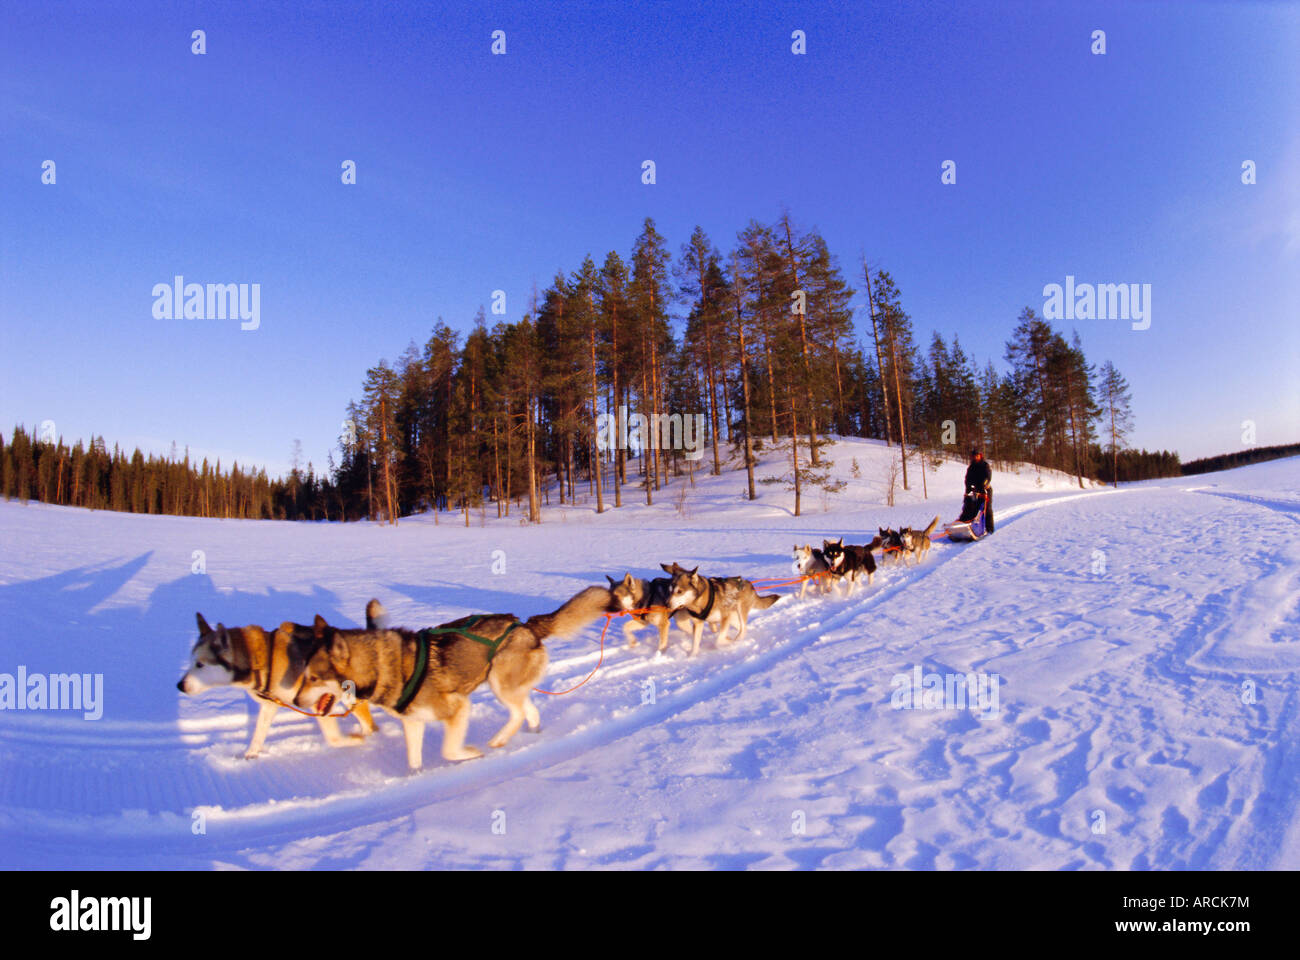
(970, 525)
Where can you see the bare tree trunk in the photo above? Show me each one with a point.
(771, 383)
(794, 450)
(534, 507)
(880, 360)
(496, 465)
(803, 342)
(708, 368)
(744, 382)
(618, 446)
(898, 392)
(655, 400)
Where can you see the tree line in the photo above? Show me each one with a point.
(1226, 461)
(49, 470)
(762, 343)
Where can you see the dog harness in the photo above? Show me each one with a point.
(422, 654)
(708, 607)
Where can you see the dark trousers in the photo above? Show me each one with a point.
(988, 510)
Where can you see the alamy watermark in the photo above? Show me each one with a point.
(659, 431)
(57, 691)
(945, 691)
(179, 300)
(127, 914)
(1102, 301)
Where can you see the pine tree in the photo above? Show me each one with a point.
(1117, 412)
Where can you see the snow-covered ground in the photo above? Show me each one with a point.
(1145, 642)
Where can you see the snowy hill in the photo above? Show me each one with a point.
(1121, 626)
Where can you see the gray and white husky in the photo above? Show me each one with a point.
(916, 543)
(268, 665)
(811, 563)
(721, 602)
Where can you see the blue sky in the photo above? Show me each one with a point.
(477, 172)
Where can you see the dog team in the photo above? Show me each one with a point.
(427, 676)
(837, 562)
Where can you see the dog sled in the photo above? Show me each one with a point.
(970, 525)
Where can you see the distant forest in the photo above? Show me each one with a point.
(1226, 461)
(763, 342)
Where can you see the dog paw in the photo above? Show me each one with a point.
(251, 754)
(466, 753)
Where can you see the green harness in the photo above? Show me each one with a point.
(422, 654)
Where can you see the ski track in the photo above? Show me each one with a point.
(157, 806)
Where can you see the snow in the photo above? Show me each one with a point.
(1127, 628)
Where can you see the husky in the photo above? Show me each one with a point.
(811, 563)
(720, 602)
(917, 542)
(633, 593)
(267, 665)
(848, 562)
(891, 545)
(423, 676)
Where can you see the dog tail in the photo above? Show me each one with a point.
(376, 615)
(765, 602)
(930, 529)
(578, 611)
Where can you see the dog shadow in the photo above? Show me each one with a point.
(66, 623)
(450, 601)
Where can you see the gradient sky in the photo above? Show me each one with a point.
(478, 172)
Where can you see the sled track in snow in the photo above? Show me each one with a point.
(1287, 508)
(158, 812)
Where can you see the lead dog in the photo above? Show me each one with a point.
(423, 676)
(265, 665)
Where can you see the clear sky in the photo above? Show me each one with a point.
(477, 172)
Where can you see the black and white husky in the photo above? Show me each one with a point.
(849, 563)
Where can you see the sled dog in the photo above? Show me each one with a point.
(891, 545)
(423, 676)
(720, 602)
(633, 593)
(849, 563)
(917, 542)
(811, 562)
(265, 664)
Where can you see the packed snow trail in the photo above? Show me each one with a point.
(1120, 693)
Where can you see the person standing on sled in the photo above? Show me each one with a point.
(979, 479)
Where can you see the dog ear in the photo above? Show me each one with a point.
(319, 626)
(693, 569)
(222, 641)
(666, 568)
(203, 624)
(612, 582)
(840, 542)
(339, 652)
